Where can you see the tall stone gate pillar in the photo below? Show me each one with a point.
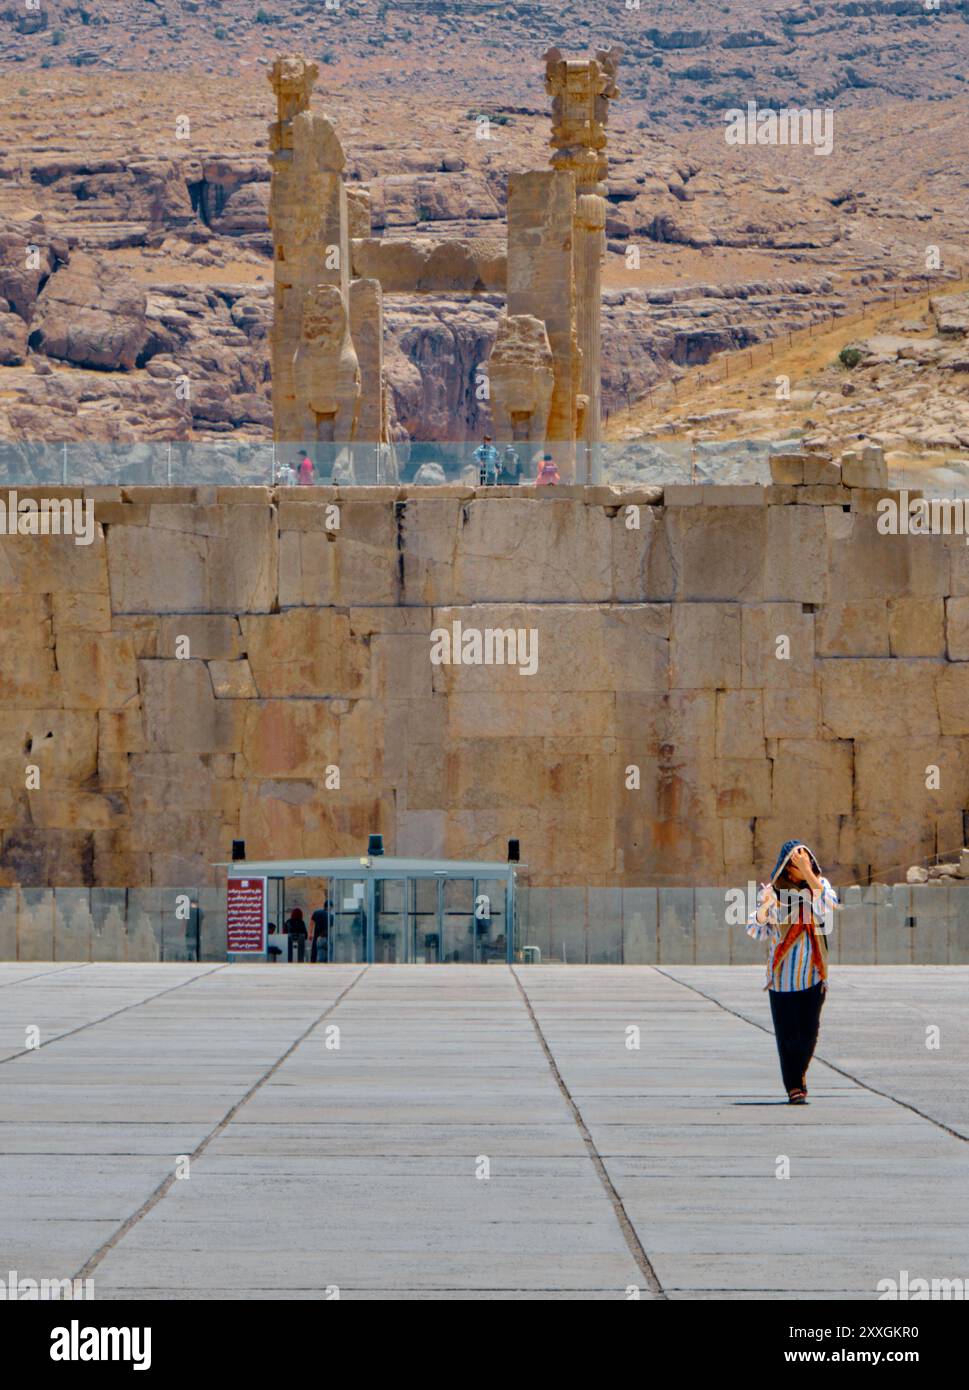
(541, 285)
(316, 377)
(581, 91)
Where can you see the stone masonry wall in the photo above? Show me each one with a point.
(660, 620)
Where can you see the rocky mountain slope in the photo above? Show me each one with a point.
(683, 61)
(144, 312)
(896, 377)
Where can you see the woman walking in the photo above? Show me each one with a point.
(794, 916)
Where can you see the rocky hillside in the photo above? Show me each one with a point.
(684, 62)
(896, 378)
(144, 312)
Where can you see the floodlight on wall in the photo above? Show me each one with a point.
(238, 850)
(375, 845)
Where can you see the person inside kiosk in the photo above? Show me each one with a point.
(320, 951)
(296, 935)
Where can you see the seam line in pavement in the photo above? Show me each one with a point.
(865, 1085)
(46, 974)
(166, 1184)
(625, 1225)
(95, 1022)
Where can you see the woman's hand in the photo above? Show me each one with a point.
(768, 899)
(801, 861)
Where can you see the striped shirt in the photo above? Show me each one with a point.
(798, 970)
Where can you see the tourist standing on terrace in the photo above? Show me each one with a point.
(511, 467)
(486, 457)
(796, 924)
(548, 473)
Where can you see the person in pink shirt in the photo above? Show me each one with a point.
(548, 473)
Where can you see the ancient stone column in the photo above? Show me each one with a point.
(292, 80)
(358, 211)
(309, 222)
(367, 333)
(541, 284)
(581, 92)
(588, 254)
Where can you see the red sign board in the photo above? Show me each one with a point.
(245, 916)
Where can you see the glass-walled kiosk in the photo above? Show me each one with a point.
(377, 909)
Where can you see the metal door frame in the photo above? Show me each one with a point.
(437, 880)
(508, 955)
(456, 878)
(374, 876)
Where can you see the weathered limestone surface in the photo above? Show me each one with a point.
(310, 227)
(708, 680)
(581, 91)
(423, 265)
(546, 366)
(541, 280)
(589, 253)
(367, 333)
(326, 372)
(359, 217)
(522, 374)
(111, 335)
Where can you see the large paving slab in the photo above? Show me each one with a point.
(358, 1166)
(55, 1000)
(693, 1127)
(476, 1132)
(903, 1030)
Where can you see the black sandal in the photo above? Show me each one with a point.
(797, 1096)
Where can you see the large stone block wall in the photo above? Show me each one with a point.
(660, 619)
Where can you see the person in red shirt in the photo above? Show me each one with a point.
(306, 471)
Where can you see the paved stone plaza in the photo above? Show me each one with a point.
(358, 1168)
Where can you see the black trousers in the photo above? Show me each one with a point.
(797, 1017)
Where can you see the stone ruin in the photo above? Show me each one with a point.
(329, 389)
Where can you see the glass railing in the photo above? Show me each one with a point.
(885, 924)
(226, 463)
(878, 922)
(112, 924)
